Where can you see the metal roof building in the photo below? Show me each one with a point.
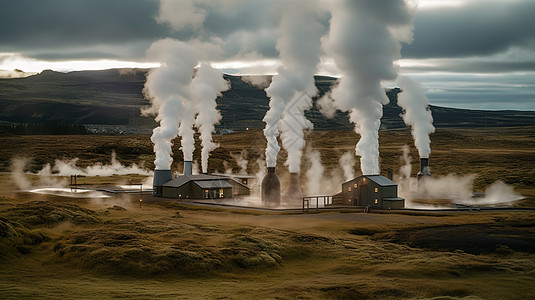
(373, 190)
(203, 186)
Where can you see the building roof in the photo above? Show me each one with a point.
(212, 184)
(181, 180)
(379, 179)
(204, 181)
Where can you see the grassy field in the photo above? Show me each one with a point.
(495, 153)
(57, 247)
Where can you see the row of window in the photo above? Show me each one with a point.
(349, 188)
(215, 194)
(349, 200)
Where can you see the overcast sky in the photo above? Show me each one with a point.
(466, 53)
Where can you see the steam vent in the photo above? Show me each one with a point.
(293, 195)
(160, 178)
(271, 189)
(424, 168)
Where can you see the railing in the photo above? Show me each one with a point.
(327, 200)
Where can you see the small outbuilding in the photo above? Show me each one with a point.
(203, 186)
(373, 190)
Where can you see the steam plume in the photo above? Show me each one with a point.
(347, 163)
(291, 89)
(416, 113)
(167, 87)
(69, 167)
(364, 40)
(207, 86)
(406, 169)
(314, 173)
(17, 173)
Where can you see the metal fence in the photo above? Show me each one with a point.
(310, 200)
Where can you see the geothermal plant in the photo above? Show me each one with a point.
(364, 46)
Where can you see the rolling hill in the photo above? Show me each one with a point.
(114, 98)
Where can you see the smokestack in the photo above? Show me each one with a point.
(271, 189)
(424, 168)
(293, 195)
(188, 165)
(160, 178)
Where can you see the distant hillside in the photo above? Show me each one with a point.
(113, 97)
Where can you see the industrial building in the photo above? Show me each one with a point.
(203, 186)
(375, 191)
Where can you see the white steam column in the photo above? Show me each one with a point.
(416, 113)
(166, 88)
(364, 40)
(292, 89)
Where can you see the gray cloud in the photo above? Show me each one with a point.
(482, 27)
(124, 29)
(41, 27)
(490, 91)
(76, 29)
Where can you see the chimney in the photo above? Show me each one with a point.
(424, 168)
(271, 189)
(188, 165)
(161, 177)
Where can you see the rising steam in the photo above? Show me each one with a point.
(406, 168)
(291, 89)
(347, 163)
(364, 40)
(416, 113)
(167, 88)
(314, 174)
(181, 100)
(435, 190)
(207, 86)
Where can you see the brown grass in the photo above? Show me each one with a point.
(92, 249)
(507, 154)
(56, 247)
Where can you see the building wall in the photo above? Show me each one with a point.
(367, 192)
(238, 190)
(182, 192)
(374, 194)
(193, 191)
(393, 204)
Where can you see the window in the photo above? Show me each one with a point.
(221, 194)
(349, 200)
(355, 185)
(206, 194)
(376, 201)
(376, 190)
(349, 189)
